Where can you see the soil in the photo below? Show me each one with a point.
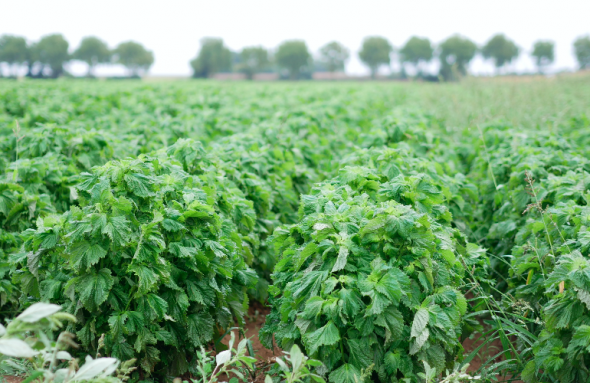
(254, 321)
(484, 354)
(11, 379)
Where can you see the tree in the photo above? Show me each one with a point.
(582, 51)
(32, 60)
(543, 54)
(13, 51)
(92, 51)
(253, 60)
(214, 57)
(52, 51)
(455, 54)
(501, 50)
(334, 56)
(416, 51)
(294, 56)
(134, 57)
(375, 52)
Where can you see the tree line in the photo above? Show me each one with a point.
(46, 58)
(292, 59)
(454, 54)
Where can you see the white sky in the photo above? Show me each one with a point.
(172, 29)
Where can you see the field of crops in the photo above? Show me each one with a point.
(382, 224)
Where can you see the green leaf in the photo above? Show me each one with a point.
(419, 341)
(313, 307)
(200, 328)
(420, 321)
(324, 336)
(341, 260)
(172, 225)
(118, 230)
(347, 373)
(139, 184)
(309, 249)
(94, 288)
(361, 354)
(373, 225)
(85, 254)
(310, 283)
(147, 278)
(351, 302)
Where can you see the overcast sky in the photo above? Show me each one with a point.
(172, 29)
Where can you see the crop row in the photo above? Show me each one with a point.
(380, 238)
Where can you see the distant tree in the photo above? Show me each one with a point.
(375, 52)
(294, 56)
(543, 52)
(455, 54)
(13, 51)
(582, 51)
(253, 60)
(417, 51)
(32, 61)
(501, 50)
(334, 56)
(134, 57)
(214, 57)
(92, 51)
(52, 51)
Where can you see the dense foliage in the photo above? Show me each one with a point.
(371, 275)
(155, 213)
(149, 255)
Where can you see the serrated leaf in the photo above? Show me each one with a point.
(118, 230)
(309, 249)
(85, 254)
(584, 296)
(324, 336)
(347, 373)
(94, 288)
(351, 302)
(419, 341)
(146, 276)
(420, 321)
(139, 184)
(341, 260)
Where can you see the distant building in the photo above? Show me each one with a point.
(266, 76)
(229, 76)
(331, 76)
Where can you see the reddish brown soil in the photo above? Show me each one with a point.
(254, 321)
(11, 379)
(484, 354)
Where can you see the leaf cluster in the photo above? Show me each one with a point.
(149, 256)
(371, 275)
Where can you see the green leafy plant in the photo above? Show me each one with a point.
(146, 259)
(296, 367)
(228, 362)
(30, 335)
(457, 375)
(371, 275)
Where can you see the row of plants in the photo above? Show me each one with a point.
(151, 250)
(380, 238)
(533, 218)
